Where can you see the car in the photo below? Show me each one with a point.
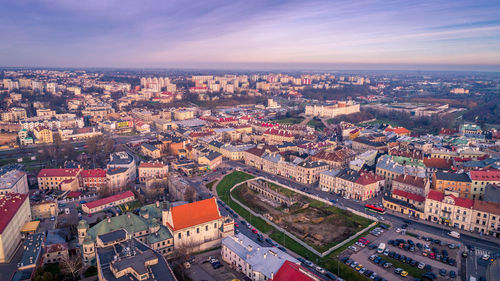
(421, 265)
(254, 230)
(386, 252)
(217, 265)
(322, 271)
(362, 270)
(344, 259)
(368, 273)
(391, 242)
(413, 263)
(259, 238)
(452, 246)
(387, 265)
(373, 275)
(485, 257)
(391, 254)
(404, 273)
(398, 230)
(412, 249)
(442, 272)
(452, 274)
(428, 268)
(236, 231)
(310, 264)
(331, 276)
(377, 259)
(409, 260)
(353, 265)
(282, 249)
(268, 240)
(372, 257)
(397, 256)
(358, 267)
(372, 246)
(353, 248)
(419, 246)
(429, 275)
(410, 242)
(348, 262)
(404, 226)
(445, 253)
(464, 254)
(398, 270)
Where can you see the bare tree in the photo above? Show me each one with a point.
(72, 266)
(190, 194)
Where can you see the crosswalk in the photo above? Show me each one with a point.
(481, 252)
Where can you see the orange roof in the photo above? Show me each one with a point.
(195, 213)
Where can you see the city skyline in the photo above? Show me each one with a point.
(400, 35)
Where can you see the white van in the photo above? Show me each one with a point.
(381, 248)
(454, 234)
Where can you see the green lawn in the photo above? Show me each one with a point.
(413, 271)
(316, 124)
(210, 185)
(378, 121)
(289, 121)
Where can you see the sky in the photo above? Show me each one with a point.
(361, 34)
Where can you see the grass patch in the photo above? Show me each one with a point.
(413, 271)
(289, 121)
(293, 245)
(412, 234)
(210, 185)
(316, 124)
(130, 206)
(379, 121)
(223, 189)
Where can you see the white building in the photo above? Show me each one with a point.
(256, 262)
(13, 180)
(331, 111)
(14, 213)
(124, 160)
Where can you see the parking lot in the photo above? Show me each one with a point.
(202, 269)
(411, 254)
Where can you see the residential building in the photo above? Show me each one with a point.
(233, 152)
(94, 179)
(389, 167)
(44, 209)
(327, 180)
(212, 160)
(336, 159)
(411, 184)
(14, 114)
(361, 185)
(198, 225)
(14, 213)
(256, 262)
(13, 180)
(448, 208)
(150, 151)
(480, 179)
(306, 172)
(485, 218)
(43, 135)
(55, 248)
(108, 202)
(152, 170)
(55, 178)
(277, 136)
(458, 182)
(117, 178)
(124, 160)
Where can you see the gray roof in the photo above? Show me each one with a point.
(312, 164)
(463, 177)
(149, 147)
(266, 260)
(121, 158)
(213, 155)
(113, 236)
(132, 253)
(32, 249)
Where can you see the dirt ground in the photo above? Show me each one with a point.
(317, 226)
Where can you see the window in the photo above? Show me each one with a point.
(215, 225)
(180, 235)
(197, 230)
(206, 227)
(187, 233)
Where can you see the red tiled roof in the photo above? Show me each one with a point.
(290, 271)
(462, 202)
(109, 199)
(74, 194)
(277, 132)
(438, 163)
(195, 213)
(94, 173)
(411, 180)
(435, 195)
(151, 165)
(490, 207)
(398, 130)
(9, 205)
(70, 172)
(411, 196)
(486, 175)
(366, 178)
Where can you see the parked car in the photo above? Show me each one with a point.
(452, 274)
(442, 272)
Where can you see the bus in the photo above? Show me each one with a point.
(374, 209)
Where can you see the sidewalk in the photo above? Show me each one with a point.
(447, 228)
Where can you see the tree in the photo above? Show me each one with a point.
(47, 276)
(72, 266)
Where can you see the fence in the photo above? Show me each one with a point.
(305, 245)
